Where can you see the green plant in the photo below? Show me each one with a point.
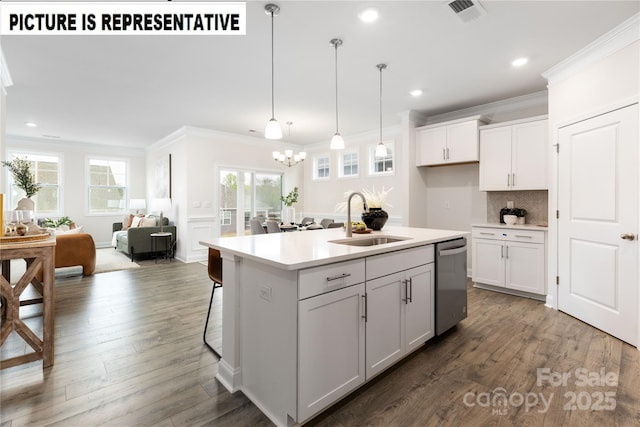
(291, 198)
(519, 212)
(55, 223)
(22, 176)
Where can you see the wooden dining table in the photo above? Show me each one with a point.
(37, 254)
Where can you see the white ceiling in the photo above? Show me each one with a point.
(134, 90)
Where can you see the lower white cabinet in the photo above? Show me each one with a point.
(399, 316)
(348, 333)
(509, 258)
(331, 348)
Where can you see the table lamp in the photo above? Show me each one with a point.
(137, 204)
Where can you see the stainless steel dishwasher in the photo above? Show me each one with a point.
(451, 284)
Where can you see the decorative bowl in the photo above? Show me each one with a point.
(510, 219)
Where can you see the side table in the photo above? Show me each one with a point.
(38, 255)
(168, 244)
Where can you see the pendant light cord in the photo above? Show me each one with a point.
(336, 46)
(381, 68)
(273, 115)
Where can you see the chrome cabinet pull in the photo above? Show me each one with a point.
(513, 179)
(341, 276)
(443, 157)
(507, 257)
(522, 236)
(488, 234)
(447, 153)
(364, 297)
(508, 180)
(501, 251)
(628, 236)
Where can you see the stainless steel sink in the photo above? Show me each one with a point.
(369, 241)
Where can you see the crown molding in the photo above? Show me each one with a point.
(5, 76)
(620, 37)
(503, 106)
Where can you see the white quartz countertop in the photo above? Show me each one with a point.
(531, 227)
(303, 249)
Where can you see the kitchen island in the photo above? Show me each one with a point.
(310, 316)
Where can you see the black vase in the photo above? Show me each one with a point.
(375, 219)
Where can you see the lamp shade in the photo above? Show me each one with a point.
(381, 150)
(137, 204)
(337, 143)
(273, 130)
(161, 205)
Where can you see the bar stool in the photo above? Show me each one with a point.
(214, 268)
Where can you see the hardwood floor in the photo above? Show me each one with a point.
(129, 352)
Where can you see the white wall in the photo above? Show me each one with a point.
(197, 156)
(73, 184)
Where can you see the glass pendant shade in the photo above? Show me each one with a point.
(337, 143)
(273, 130)
(381, 150)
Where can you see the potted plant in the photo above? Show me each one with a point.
(376, 201)
(25, 180)
(289, 212)
(520, 213)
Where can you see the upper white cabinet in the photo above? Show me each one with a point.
(514, 156)
(447, 143)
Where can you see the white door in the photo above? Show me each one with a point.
(331, 334)
(598, 203)
(419, 316)
(488, 260)
(384, 325)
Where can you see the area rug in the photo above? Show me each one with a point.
(107, 259)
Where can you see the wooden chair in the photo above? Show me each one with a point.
(256, 227)
(273, 227)
(336, 225)
(325, 222)
(214, 268)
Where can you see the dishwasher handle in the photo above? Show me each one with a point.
(453, 251)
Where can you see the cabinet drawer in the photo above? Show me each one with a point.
(512, 234)
(325, 278)
(389, 263)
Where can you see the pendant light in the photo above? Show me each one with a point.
(381, 150)
(273, 130)
(337, 143)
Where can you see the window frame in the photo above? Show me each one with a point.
(316, 161)
(341, 164)
(88, 185)
(16, 153)
(372, 159)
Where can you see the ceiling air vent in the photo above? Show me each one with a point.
(467, 10)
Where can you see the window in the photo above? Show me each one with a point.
(107, 185)
(382, 165)
(46, 168)
(225, 217)
(321, 168)
(349, 164)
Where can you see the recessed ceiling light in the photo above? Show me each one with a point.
(416, 92)
(30, 124)
(368, 15)
(519, 62)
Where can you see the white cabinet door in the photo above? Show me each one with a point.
(330, 348)
(462, 142)
(495, 159)
(419, 316)
(488, 261)
(384, 324)
(525, 267)
(529, 156)
(432, 145)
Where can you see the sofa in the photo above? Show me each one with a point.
(74, 249)
(137, 240)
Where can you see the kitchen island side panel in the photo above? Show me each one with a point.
(268, 334)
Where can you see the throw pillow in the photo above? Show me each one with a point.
(136, 221)
(148, 222)
(126, 221)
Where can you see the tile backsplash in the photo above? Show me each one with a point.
(536, 202)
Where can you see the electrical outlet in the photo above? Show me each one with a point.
(510, 205)
(265, 293)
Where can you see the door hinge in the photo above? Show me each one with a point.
(557, 214)
(557, 280)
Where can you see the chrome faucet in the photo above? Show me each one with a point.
(364, 205)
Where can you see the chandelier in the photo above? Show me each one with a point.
(288, 158)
